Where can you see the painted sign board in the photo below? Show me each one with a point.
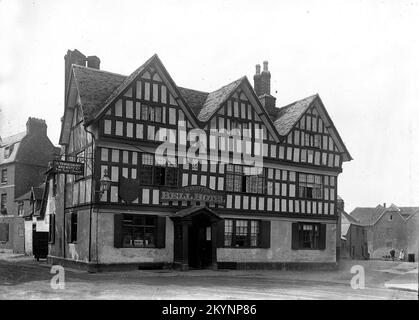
(68, 167)
(194, 194)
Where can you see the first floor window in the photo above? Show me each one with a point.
(139, 231)
(3, 201)
(158, 174)
(310, 186)
(245, 179)
(308, 236)
(4, 176)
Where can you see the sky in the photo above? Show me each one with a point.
(361, 57)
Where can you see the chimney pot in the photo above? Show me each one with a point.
(258, 69)
(265, 65)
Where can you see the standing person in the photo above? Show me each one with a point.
(392, 254)
(401, 255)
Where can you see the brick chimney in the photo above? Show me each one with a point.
(262, 86)
(265, 80)
(36, 126)
(76, 57)
(93, 62)
(257, 81)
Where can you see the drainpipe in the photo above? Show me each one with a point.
(92, 196)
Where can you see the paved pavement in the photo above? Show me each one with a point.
(24, 278)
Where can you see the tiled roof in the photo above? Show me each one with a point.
(367, 216)
(407, 212)
(344, 228)
(123, 85)
(14, 141)
(99, 88)
(350, 219)
(94, 87)
(215, 98)
(287, 116)
(26, 196)
(195, 99)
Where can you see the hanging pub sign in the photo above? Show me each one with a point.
(194, 194)
(68, 167)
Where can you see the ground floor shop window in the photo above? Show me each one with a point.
(241, 233)
(308, 236)
(139, 231)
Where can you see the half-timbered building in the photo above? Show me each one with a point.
(187, 211)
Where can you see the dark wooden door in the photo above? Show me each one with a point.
(40, 244)
(200, 246)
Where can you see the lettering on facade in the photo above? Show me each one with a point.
(194, 194)
(68, 167)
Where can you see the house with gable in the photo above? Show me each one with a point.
(389, 228)
(24, 159)
(129, 208)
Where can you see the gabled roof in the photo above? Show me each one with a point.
(368, 215)
(35, 193)
(288, 116)
(97, 89)
(216, 98)
(11, 141)
(194, 98)
(94, 87)
(350, 219)
(408, 212)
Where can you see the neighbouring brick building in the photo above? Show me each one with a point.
(193, 214)
(23, 162)
(389, 228)
(353, 238)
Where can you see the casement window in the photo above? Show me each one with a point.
(139, 231)
(237, 233)
(152, 173)
(3, 201)
(245, 179)
(20, 210)
(307, 236)
(8, 151)
(4, 176)
(4, 232)
(73, 227)
(310, 186)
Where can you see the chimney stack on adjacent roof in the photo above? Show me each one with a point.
(265, 79)
(257, 81)
(78, 58)
(93, 62)
(384, 205)
(35, 126)
(262, 86)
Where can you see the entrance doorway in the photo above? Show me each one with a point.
(195, 236)
(200, 244)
